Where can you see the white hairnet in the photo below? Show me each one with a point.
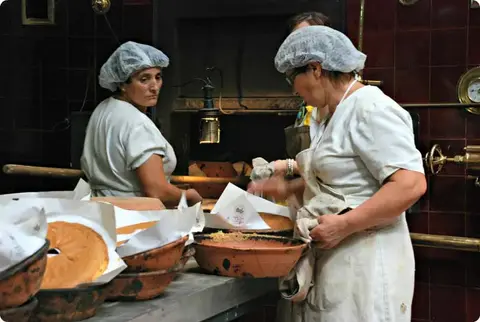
(327, 46)
(128, 59)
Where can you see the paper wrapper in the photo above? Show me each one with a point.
(140, 231)
(23, 230)
(81, 192)
(238, 209)
(98, 216)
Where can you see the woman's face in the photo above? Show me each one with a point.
(308, 83)
(144, 87)
(301, 25)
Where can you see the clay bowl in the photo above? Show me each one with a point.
(247, 255)
(70, 304)
(21, 282)
(21, 313)
(140, 286)
(156, 259)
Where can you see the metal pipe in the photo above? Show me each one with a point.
(465, 244)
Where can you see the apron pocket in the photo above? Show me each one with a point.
(333, 280)
(297, 139)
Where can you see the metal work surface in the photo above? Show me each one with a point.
(191, 297)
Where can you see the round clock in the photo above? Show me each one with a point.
(468, 89)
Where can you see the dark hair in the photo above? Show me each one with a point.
(313, 18)
(338, 77)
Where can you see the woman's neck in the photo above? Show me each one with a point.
(142, 109)
(340, 92)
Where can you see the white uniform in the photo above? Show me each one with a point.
(369, 277)
(119, 139)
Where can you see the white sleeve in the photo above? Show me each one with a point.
(141, 143)
(383, 138)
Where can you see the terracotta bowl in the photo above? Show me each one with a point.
(140, 286)
(156, 259)
(247, 255)
(70, 304)
(21, 313)
(21, 282)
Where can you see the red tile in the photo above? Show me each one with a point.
(383, 74)
(421, 302)
(452, 224)
(141, 32)
(54, 84)
(80, 18)
(418, 222)
(448, 14)
(444, 84)
(449, 47)
(412, 85)
(379, 22)
(473, 273)
(447, 303)
(378, 46)
(115, 19)
(448, 273)
(412, 48)
(447, 123)
(81, 52)
(473, 309)
(473, 225)
(413, 17)
(474, 19)
(447, 193)
(424, 120)
(473, 45)
(451, 148)
(422, 267)
(353, 18)
(77, 84)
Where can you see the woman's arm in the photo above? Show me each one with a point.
(155, 184)
(400, 192)
(281, 167)
(277, 187)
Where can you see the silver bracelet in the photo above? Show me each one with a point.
(289, 172)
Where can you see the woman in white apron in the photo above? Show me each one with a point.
(359, 176)
(124, 153)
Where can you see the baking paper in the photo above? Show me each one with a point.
(23, 230)
(238, 209)
(169, 226)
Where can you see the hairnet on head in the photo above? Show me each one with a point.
(327, 46)
(128, 59)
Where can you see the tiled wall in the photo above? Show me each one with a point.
(47, 72)
(420, 52)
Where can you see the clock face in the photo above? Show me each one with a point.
(474, 91)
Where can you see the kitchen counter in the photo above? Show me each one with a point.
(192, 297)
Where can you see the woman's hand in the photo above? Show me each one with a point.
(193, 197)
(330, 231)
(280, 167)
(276, 187)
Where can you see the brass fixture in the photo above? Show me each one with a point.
(101, 6)
(45, 19)
(476, 182)
(468, 89)
(446, 242)
(209, 130)
(360, 46)
(435, 160)
(408, 2)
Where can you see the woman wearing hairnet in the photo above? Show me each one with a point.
(124, 153)
(297, 136)
(359, 176)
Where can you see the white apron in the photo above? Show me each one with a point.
(368, 277)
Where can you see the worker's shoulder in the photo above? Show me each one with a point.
(120, 113)
(371, 100)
